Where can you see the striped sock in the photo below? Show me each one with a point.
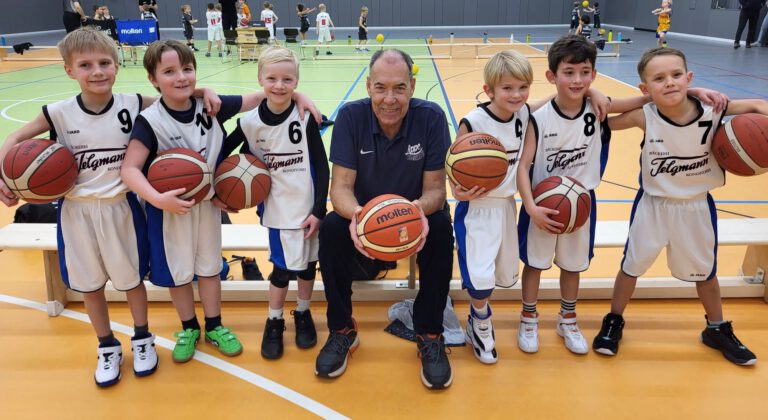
(530, 307)
(567, 306)
(481, 313)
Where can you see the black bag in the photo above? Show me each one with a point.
(36, 213)
(364, 268)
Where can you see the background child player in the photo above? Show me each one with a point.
(485, 220)
(269, 18)
(362, 30)
(665, 21)
(294, 152)
(584, 29)
(575, 17)
(187, 20)
(324, 25)
(101, 229)
(215, 28)
(302, 12)
(185, 237)
(673, 207)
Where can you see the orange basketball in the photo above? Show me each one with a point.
(39, 171)
(389, 227)
(477, 159)
(242, 181)
(566, 195)
(741, 145)
(181, 168)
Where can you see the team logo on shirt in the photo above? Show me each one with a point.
(566, 158)
(674, 165)
(277, 161)
(415, 152)
(93, 159)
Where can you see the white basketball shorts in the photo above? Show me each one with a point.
(290, 251)
(324, 34)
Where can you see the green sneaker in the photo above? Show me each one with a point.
(186, 341)
(225, 340)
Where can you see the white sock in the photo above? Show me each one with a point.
(302, 305)
(481, 313)
(276, 313)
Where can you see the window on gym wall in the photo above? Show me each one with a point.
(725, 4)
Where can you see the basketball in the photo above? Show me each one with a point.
(380, 38)
(741, 145)
(244, 22)
(181, 168)
(477, 159)
(39, 171)
(585, 3)
(567, 196)
(389, 227)
(242, 181)
(333, 37)
(415, 69)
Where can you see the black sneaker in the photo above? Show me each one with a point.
(332, 360)
(272, 341)
(328, 53)
(607, 340)
(435, 368)
(723, 339)
(306, 335)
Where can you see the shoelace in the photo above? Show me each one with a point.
(141, 352)
(302, 320)
(433, 350)
(483, 328)
(274, 330)
(109, 362)
(338, 343)
(727, 329)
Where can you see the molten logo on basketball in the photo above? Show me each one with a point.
(402, 233)
(392, 214)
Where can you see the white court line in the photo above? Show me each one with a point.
(270, 386)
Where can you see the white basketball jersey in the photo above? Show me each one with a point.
(285, 150)
(213, 18)
(323, 20)
(510, 133)
(98, 141)
(677, 160)
(268, 17)
(575, 147)
(204, 134)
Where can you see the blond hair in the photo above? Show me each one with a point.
(84, 40)
(507, 62)
(277, 54)
(321, 6)
(363, 9)
(185, 7)
(217, 6)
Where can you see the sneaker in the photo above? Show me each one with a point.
(481, 336)
(723, 339)
(208, 54)
(569, 330)
(144, 356)
(195, 49)
(528, 334)
(607, 340)
(272, 341)
(332, 360)
(108, 366)
(736, 45)
(357, 49)
(221, 55)
(435, 368)
(366, 49)
(225, 340)
(328, 53)
(306, 335)
(186, 341)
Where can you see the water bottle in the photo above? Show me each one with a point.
(512, 39)
(451, 37)
(485, 37)
(610, 36)
(618, 37)
(528, 38)
(3, 41)
(349, 39)
(429, 39)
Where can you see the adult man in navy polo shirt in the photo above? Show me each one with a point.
(388, 143)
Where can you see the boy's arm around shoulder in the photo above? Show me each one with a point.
(745, 106)
(629, 119)
(318, 159)
(31, 129)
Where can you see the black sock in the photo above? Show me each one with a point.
(190, 324)
(212, 322)
(108, 341)
(141, 332)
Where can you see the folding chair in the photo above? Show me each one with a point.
(290, 34)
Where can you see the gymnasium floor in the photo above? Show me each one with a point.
(53, 358)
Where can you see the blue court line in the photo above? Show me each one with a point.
(445, 94)
(344, 100)
(711, 80)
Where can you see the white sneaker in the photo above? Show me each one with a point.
(569, 330)
(144, 356)
(108, 366)
(482, 338)
(528, 334)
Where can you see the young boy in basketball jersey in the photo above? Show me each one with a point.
(664, 13)
(187, 21)
(324, 25)
(269, 18)
(362, 30)
(575, 17)
(673, 207)
(185, 237)
(101, 229)
(584, 29)
(215, 29)
(293, 150)
(485, 220)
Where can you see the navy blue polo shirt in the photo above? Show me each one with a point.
(390, 166)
